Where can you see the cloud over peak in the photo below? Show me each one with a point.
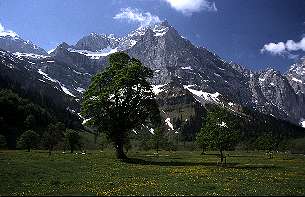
(189, 6)
(282, 48)
(135, 15)
(4, 32)
(274, 48)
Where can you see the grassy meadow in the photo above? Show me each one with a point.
(170, 173)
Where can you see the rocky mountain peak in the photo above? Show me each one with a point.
(96, 42)
(9, 34)
(61, 47)
(296, 76)
(165, 23)
(12, 42)
(64, 45)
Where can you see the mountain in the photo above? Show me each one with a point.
(96, 42)
(186, 79)
(21, 76)
(13, 43)
(296, 76)
(211, 79)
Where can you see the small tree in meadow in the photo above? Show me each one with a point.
(219, 131)
(73, 139)
(266, 142)
(53, 135)
(202, 141)
(158, 137)
(28, 140)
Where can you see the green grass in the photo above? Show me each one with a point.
(172, 173)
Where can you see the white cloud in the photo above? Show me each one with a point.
(274, 48)
(295, 46)
(189, 6)
(1, 28)
(282, 48)
(4, 32)
(134, 15)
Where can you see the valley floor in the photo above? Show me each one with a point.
(171, 173)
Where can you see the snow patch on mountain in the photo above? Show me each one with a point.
(80, 90)
(169, 124)
(95, 55)
(302, 122)
(85, 121)
(66, 90)
(223, 124)
(157, 88)
(63, 87)
(186, 68)
(50, 51)
(203, 95)
(160, 30)
(30, 55)
(45, 75)
(8, 33)
(297, 80)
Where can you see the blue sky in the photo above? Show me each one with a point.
(254, 33)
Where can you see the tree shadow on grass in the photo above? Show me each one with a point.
(255, 166)
(174, 163)
(210, 164)
(256, 156)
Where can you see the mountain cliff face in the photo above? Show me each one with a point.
(296, 76)
(186, 77)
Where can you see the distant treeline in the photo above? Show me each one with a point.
(19, 114)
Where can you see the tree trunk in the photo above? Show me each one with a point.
(50, 150)
(72, 148)
(95, 137)
(120, 151)
(202, 150)
(221, 156)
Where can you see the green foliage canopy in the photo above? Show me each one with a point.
(53, 135)
(29, 139)
(219, 131)
(73, 139)
(120, 99)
